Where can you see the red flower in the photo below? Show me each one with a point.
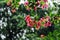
(29, 21)
(38, 2)
(44, 6)
(38, 24)
(47, 24)
(35, 8)
(47, 18)
(27, 18)
(45, 0)
(41, 19)
(26, 3)
(13, 10)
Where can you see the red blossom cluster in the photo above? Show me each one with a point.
(43, 6)
(42, 22)
(45, 0)
(26, 3)
(29, 21)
